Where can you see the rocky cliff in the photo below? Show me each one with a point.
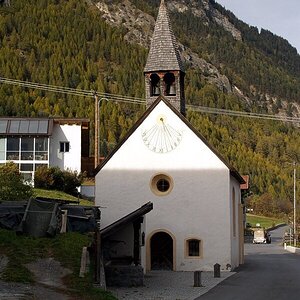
(140, 26)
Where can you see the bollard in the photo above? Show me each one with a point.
(217, 273)
(197, 279)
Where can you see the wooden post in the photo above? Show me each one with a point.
(197, 279)
(97, 255)
(83, 263)
(217, 273)
(64, 218)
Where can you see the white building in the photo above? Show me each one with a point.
(32, 142)
(197, 218)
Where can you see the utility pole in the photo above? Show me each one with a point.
(96, 162)
(97, 128)
(295, 207)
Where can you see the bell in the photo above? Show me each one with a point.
(156, 91)
(172, 90)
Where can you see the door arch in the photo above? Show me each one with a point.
(161, 251)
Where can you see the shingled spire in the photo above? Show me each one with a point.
(164, 73)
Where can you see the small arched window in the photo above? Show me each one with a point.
(154, 85)
(170, 88)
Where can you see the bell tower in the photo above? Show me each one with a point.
(164, 73)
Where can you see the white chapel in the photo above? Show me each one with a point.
(197, 216)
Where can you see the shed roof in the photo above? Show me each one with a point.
(119, 224)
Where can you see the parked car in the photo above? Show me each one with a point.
(261, 236)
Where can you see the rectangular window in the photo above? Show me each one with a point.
(27, 148)
(2, 148)
(64, 146)
(26, 167)
(13, 148)
(41, 148)
(193, 248)
(27, 177)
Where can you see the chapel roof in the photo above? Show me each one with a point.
(233, 171)
(163, 54)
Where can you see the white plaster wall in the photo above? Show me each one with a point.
(235, 240)
(198, 205)
(70, 160)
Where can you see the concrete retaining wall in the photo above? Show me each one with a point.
(292, 249)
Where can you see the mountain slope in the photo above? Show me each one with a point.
(73, 43)
(232, 55)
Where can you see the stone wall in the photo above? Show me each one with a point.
(124, 276)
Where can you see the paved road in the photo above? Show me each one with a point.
(269, 272)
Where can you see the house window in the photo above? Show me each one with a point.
(27, 148)
(161, 184)
(193, 248)
(41, 148)
(13, 147)
(2, 148)
(26, 167)
(27, 177)
(64, 146)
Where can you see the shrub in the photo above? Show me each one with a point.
(12, 187)
(43, 178)
(55, 179)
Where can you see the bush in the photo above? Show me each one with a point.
(12, 187)
(55, 179)
(43, 178)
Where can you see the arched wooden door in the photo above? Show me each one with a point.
(161, 245)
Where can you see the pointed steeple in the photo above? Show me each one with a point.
(164, 74)
(163, 54)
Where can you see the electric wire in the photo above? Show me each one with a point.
(141, 101)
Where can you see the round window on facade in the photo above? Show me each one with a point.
(161, 185)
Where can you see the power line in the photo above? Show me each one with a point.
(71, 91)
(219, 111)
(141, 101)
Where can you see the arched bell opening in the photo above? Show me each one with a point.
(170, 88)
(154, 85)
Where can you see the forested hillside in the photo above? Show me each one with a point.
(67, 43)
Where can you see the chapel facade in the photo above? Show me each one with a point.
(197, 215)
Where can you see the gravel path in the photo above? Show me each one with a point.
(159, 285)
(49, 286)
(168, 285)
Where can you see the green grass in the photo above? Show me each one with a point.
(263, 221)
(52, 194)
(65, 248)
